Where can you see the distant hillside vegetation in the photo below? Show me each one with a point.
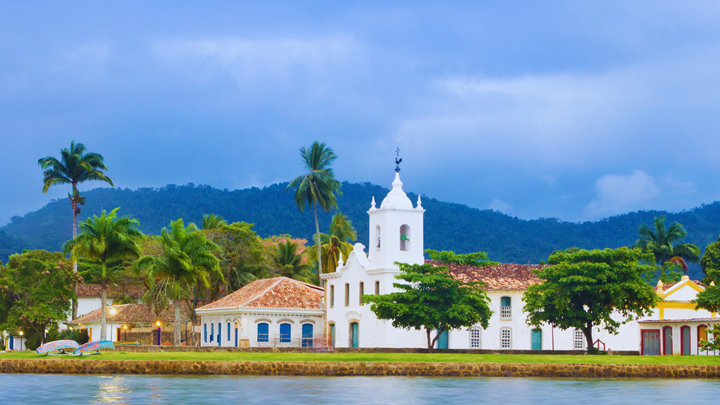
(448, 226)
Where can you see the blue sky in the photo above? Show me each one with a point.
(575, 110)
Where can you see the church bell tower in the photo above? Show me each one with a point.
(396, 228)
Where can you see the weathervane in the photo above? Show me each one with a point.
(398, 160)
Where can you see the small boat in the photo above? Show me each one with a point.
(58, 345)
(93, 346)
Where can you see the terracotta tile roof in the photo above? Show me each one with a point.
(679, 320)
(279, 293)
(502, 277)
(667, 286)
(134, 313)
(93, 290)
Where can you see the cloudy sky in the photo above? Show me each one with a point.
(575, 110)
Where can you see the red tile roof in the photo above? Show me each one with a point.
(93, 291)
(134, 313)
(278, 293)
(502, 277)
(667, 286)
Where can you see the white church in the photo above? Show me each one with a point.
(284, 312)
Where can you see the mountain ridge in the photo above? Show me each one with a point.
(448, 226)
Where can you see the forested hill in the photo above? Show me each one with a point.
(448, 226)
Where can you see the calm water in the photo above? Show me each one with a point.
(56, 389)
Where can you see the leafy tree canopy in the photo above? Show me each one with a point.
(710, 263)
(431, 299)
(35, 292)
(479, 259)
(588, 288)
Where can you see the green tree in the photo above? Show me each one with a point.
(242, 259)
(105, 239)
(477, 259)
(212, 221)
(710, 263)
(36, 288)
(431, 299)
(335, 243)
(317, 186)
(662, 242)
(76, 165)
(585, 288)
(288, 262)
(187, 260)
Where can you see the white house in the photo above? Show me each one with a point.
(275, 312)
(126, 318)
(89, 296)
(676, 326)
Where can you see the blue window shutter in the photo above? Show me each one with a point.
(262, 332)
(228, 331)
(285, 330)
(204, 332)
(505, 301)
(212, 331)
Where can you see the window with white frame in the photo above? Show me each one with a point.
(505, 338)
(579, 340)
(475, 338)
(505, 308)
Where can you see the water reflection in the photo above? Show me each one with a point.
(129, 389)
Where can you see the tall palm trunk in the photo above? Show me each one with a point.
(103, 316)
(74, 234)
(176, 326)
(317, 240)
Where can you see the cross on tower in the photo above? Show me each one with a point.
(397, 160)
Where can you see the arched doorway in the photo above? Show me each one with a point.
(536, 340)
(354, 335)
(237, 327)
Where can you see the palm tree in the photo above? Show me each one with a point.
(336, 244)
(187, 260)
(212, 221)
(289, 262)
(318, 185)
(661, 242)
(75, 166)
(104, 239)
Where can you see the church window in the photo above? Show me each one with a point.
(332, 296)
(505, 308)
(377, 236)
(228, 328)
(347, 294)
(212, 331)
(205, 332)
(362, 291)
(579, 340)
(404, 238)
(505, 338)
(377, 288)
(475, 338)
(285, 329)
(262, 332)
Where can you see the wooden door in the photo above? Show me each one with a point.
(537, 339)
(651, 342)
(667, 341)
(355, 332)
(442, 342)
(685, 340)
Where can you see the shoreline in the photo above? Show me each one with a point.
(346, 368)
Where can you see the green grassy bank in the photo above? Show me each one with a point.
(387, 357)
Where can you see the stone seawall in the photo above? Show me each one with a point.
(278, 368)
(155, 349)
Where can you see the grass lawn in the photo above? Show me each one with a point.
(386, 357)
